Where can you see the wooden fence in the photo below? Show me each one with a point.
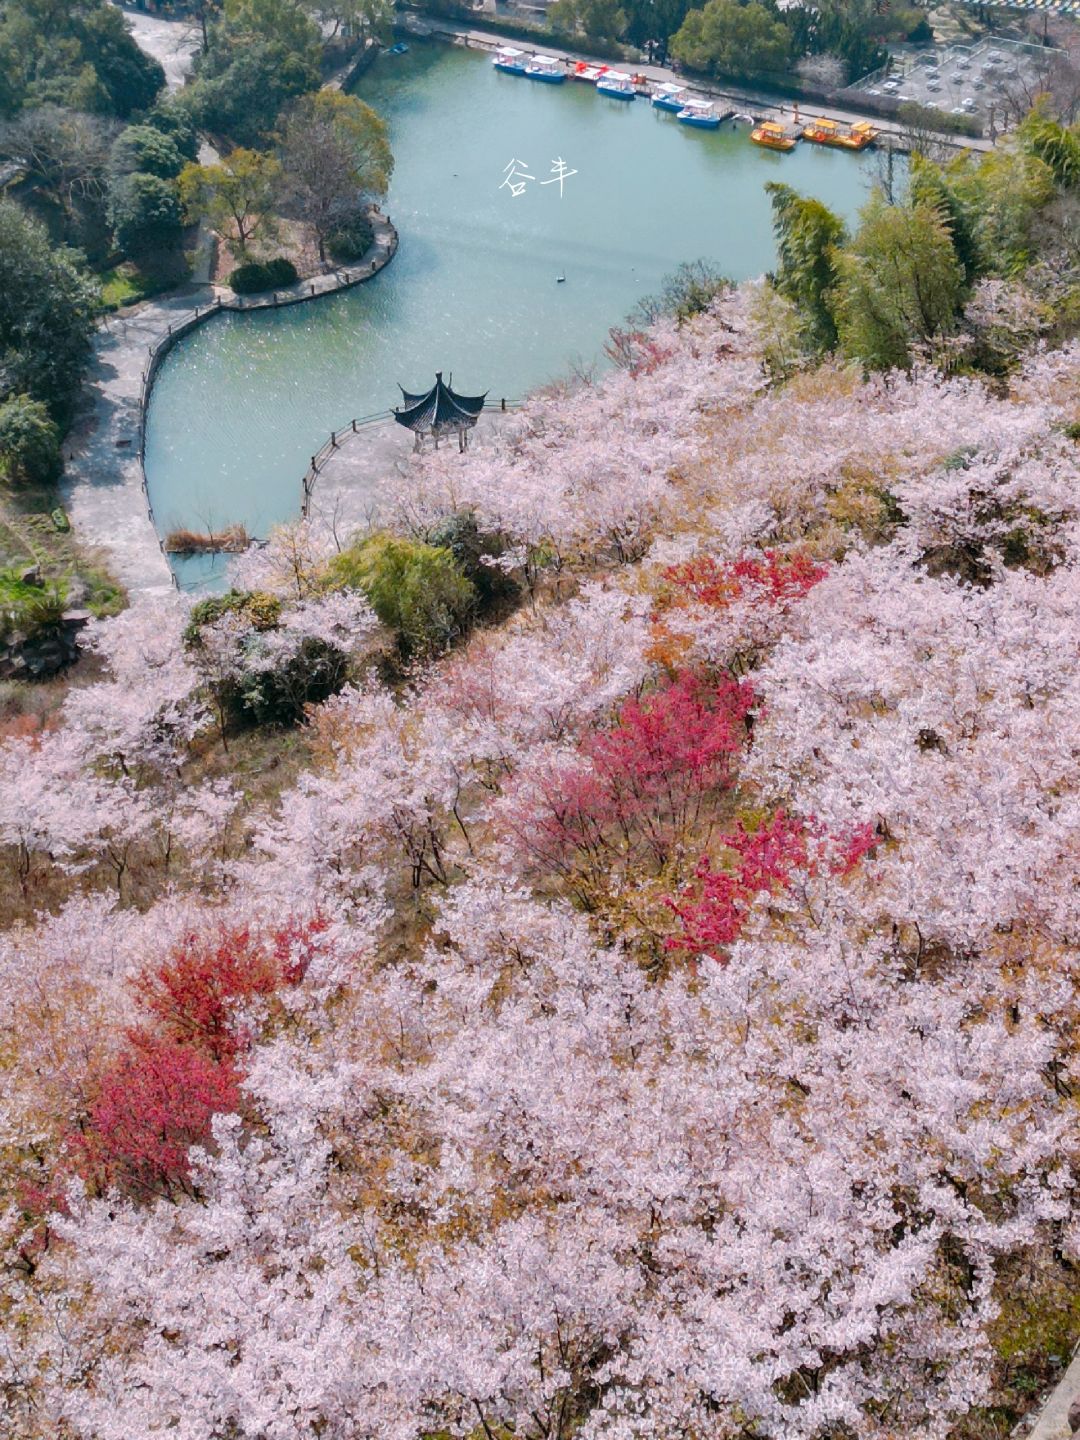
(345, 277)
(339, 437)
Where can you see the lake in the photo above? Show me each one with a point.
(241, 404)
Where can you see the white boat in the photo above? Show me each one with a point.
(547, 69)
(669, 97)
(699, 113)
(509, 60)
(617, 85)
(591, 73)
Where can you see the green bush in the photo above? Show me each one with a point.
(144, 212)
(471, 547)
(250, 692)
(261, 610)
(145, 148)
(28, 611)
(173, 118)
(279, 697)
(418, 591)
(351, 240)
(29, 442)
(258, 275)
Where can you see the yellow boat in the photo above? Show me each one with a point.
(847, 137)
(773, 136)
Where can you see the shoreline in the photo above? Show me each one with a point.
(105, 466)
(764, 106)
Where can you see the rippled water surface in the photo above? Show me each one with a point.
(241, 404)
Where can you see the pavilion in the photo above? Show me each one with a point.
(439, 412)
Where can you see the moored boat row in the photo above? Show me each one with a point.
(775, 136)
(845, 137)
(688, 109)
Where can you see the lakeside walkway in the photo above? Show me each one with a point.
(104, 484)
(755, 102)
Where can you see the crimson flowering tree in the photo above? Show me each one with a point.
(729, 612)
(149, 1108)
(193, 995)
(773, 578)
(713, 910)
(641, 790)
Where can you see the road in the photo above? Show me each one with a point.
(173, 42)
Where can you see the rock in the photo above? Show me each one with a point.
(76, 619)
(45, 657)
(31, 576)
(1074, 1415)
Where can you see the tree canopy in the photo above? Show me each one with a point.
(808, 235)
(262, 54)
(235, 196)
(75, 53)
(48, 308)
(334, 154)
(900, 283)
(727, 37)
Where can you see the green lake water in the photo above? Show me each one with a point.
(241, 404)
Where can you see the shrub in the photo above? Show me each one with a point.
(28, 612)
(471, 547)
(144, 212)
(29, 442)
(258, 275)
(259, 673)
(350, 240)
(260, 609)
(416, 590)
(173, 119)
(146, 148)
(279, 695)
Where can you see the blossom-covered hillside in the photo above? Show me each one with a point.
(656, 1015)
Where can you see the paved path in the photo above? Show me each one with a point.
(1053, 1422)
(345, 496)
(103, 479)
(748, 100)
(173, 42)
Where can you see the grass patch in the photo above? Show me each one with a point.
(126, 284)
(44, 539)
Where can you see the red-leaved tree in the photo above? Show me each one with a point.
(195, 993)
(159, 1096)
(714, 908)
(149, 1108)
(773, 578)
(641, 791)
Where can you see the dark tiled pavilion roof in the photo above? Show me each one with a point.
(439, 409)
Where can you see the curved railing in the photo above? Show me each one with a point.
(339, 437)
(343, 278)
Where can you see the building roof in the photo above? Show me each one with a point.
(439, 409)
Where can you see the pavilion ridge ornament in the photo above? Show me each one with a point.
(439, 412)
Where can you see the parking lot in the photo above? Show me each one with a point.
(988, 81)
